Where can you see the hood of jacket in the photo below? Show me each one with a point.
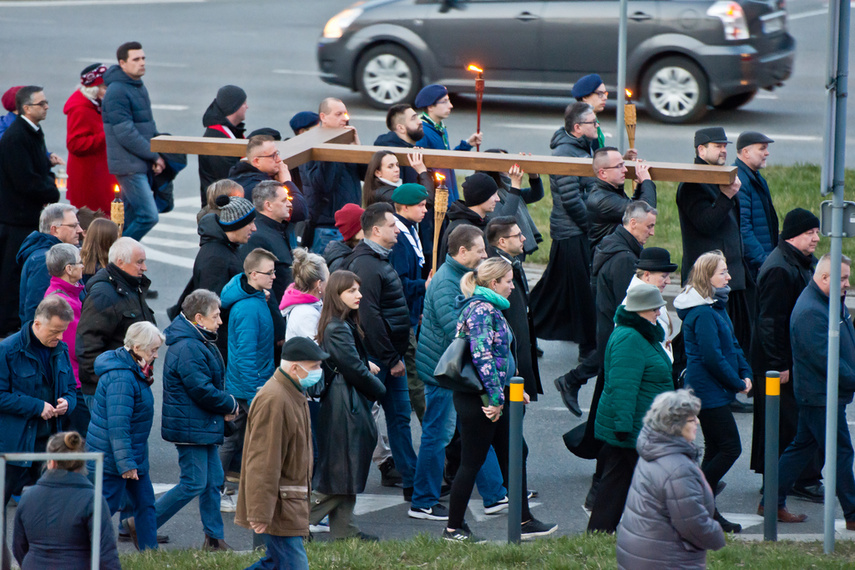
(391, 139)
(215, 116)
(123, 282)
(34, 242)
(180, 328)
(621, 241)
(244, 168)
(78, 99)
(209, 230)
(562, 137)
(115, 75)
(689, 299)
(652, 445)
(459, 211)
(119, 359)
(336, 250)
(72, 289)
(650, 331)
(234, 291)
(293, 297)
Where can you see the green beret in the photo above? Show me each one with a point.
(409, 194)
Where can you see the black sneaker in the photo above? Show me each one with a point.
(497, 507)
(463, 534)
(534, 529)
(726, 525)
(438, 512)
(389, 475)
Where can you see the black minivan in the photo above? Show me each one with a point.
(683, 56)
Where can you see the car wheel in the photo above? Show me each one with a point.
(675, 91)
(386, 75)
(736, 101)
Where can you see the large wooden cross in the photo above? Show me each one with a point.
(333, 145)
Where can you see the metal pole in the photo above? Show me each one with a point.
(3, 550)
(515, 459)
(840, 91)
(770, 465)
(96, 512)
(828, 133)
(621, 76)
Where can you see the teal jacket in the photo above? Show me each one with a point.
(250, 363)
(637, 369)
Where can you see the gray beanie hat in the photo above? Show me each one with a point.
(230, 98)
(235, 213)
(643, 298)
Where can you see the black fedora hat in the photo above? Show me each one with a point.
(656, 259)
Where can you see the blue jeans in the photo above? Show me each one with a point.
(437, 430)
(140, 493)
(322, 237)
(140, 209)
(396, 407)
(810, 437)
(283, 553)
(201, 476)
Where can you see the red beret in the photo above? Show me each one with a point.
(9, 98)
(347, 220)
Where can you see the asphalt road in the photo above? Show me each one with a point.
(267, 47)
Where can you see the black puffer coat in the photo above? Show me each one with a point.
(668, 519)
(383, 310)
(458, 215)
(346, 433)
(613, 267)
(213, 168)
(335, 254)
(607, 204)
(569, 217)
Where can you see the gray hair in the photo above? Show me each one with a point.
(59, 256)
(824, 264)
(90, 91)
(54, 306)
(199, 302)
(123, 249)
(637, 210)
(670, 411)
(265, 191)
(142, 334)
(52, 215)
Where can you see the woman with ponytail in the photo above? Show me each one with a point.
(480, 418)
(53, 521)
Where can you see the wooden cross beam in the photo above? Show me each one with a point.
(331, 145)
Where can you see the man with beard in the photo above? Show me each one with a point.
(222, 120)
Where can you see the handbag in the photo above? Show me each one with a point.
(455, 370)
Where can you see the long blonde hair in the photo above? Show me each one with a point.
(488, 271)
(703, 270)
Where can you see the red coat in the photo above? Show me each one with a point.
(89, 182)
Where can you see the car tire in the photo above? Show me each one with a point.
(675, 91)
(736, 101)
(387, 74)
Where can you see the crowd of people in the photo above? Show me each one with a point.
(313, 307)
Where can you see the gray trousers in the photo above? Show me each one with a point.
(340, 510)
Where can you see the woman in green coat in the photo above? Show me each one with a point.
(637, 369)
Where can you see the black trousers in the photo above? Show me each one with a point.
(11, 238)
(477, 434)
(722, 445)
(618, 464)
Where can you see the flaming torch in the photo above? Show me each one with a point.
(117, 210)
(440, 206)
(479, 94)
(629, 118)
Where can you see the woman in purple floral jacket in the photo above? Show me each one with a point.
(480, 417)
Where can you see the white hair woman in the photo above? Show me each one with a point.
(669, 519)
(122, 415)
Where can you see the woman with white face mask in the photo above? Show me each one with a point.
(346, 433)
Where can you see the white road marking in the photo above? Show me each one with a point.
(771, 96)
(296, 72)
(168, 258)
(165, 242)
(40, 3)
(161, 488)
(180, 202)
(369, 118)
(810, 14)
(180, 215)
(161, 227)
(529, 126)
(746, 520)
(162, 107)
(368, 502)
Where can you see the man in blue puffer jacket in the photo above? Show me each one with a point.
(129, 127)
(439, 326)
(250, 362)
(194, 407)
(758, 220)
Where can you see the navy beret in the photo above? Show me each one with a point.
(304, 120)
(586, 85)
(429, 95)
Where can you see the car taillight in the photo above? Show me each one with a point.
(732, 18)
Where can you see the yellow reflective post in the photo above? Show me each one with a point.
(515, 458)
(770, 464)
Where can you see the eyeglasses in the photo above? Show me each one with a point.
(589, 122)
(516, 235)
(76, 264)
(618, 165)
(602, 94)
(275, 154)
(76, 225)
(268, 273)
(42, 104)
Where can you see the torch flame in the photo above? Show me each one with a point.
(475, 68)
(628, 93)
(116, 189)
(439, 178)
(287, 194)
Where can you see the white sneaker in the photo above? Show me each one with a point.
(227, 503)
(322, 526)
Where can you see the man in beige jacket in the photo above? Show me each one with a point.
(275, 481)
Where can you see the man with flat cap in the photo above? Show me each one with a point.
(654, 267)
(276, 479)
(710, 220)
(408, 259)
(436, 106)
(783, 276)
(758, 219)
(223, 119)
